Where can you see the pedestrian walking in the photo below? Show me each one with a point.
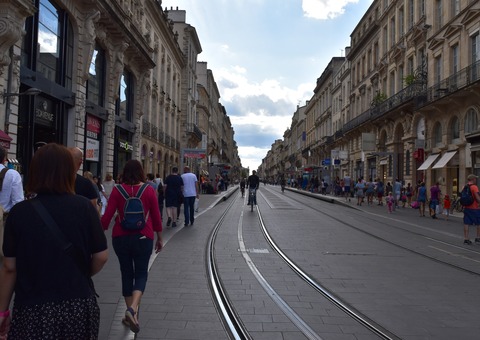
(390, 202)
(54, 296)
(397, 192)
(409, 194)
(422, 198)
(380, 188)
(359, 191)
(161, 198)
(446, 206)
(347, 182)
(133, 247)
(172, 188)
(11, 192)
(190, 193)
(83, 186)
(471, 213)
(435, 193)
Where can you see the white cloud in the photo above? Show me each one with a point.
(240, 86)
(325, 9)
(252, 156)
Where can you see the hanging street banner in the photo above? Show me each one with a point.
(194, 153)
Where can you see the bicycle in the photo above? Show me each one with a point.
(456, 206)
(242, 189)
(252, 197)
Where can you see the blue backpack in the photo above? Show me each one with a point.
(133, 213)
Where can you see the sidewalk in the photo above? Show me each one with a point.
(108, 281)
(352, 203)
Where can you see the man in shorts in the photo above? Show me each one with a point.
(471, 213)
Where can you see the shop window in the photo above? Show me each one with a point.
(471, 121)
(48, 46)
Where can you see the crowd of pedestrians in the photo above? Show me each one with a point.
(48, 284)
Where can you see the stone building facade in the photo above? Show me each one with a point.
(405, 101)
(115, 78)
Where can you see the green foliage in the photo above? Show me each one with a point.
(379, 98)
(409, 79)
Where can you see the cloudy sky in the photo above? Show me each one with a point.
(266, 56)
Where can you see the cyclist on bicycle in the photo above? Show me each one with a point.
(252, 183)
(242, 186)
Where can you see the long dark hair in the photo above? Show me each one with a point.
(52, 171)
(133, 172)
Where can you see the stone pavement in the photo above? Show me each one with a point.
(163, 285)
(177, 302)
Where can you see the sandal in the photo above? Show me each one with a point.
(130, 318)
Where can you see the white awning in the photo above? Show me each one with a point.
(428, 161)
(447, 156)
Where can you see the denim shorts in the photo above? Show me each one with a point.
(471, 216)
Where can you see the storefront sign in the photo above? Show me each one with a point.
(42, 115)
(125, 146)
(92, 150)
(93, 127)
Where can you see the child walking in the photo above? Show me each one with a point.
(390, 202)
(446, 206)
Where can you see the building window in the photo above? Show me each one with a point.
(455, 7)
(455, 59)
(48, 46)
(455, 129)
(438, 14)
(438, 69)
(124, 107)
(96, 78)
(475, 48)
(471, 121)
(401, 22)
(393, 33)
(411, 14)
(437, 134)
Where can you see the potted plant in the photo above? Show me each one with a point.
(379, 98)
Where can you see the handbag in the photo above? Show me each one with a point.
(62, 241)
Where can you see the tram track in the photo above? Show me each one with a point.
(232, 320)
(397, 244)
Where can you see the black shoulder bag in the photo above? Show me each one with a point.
(62, 241)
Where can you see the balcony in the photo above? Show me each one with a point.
(193, 130)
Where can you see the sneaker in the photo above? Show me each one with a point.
(477, 240)
(186, 224)
(169, 221)
(467, 242)
(174, 224)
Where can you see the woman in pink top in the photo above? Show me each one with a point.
(133, 248)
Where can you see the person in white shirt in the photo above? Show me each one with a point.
(190, 193)
(11, 192)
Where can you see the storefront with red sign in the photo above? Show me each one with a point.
(93, 144)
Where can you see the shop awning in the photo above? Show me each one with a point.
(447, 156)
(5, 140)
(429, 161)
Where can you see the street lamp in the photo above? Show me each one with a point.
(30, 92)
